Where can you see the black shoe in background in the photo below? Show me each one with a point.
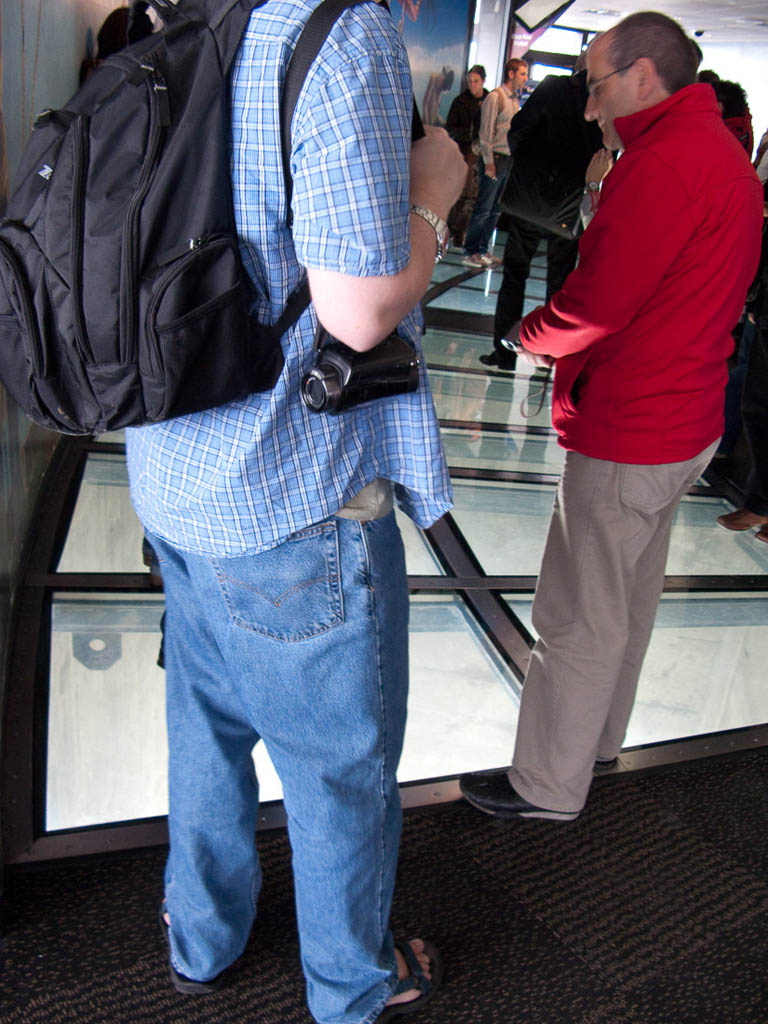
(506, 361)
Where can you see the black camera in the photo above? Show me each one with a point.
(341, 377)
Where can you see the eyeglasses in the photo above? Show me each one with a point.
(596, 81)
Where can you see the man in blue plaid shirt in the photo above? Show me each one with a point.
(283, 567)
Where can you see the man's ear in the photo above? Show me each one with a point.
(650, 89)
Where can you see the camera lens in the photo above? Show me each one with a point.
(314, 393)
(321, 389)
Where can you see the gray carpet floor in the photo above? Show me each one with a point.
(650, 909)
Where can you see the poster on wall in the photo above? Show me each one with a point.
(436, 35)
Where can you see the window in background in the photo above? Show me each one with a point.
(561, 40)
(539, 71)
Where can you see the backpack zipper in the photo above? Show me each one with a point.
(77, 216)
(159, 120)
(175, 270)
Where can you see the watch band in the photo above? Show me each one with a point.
(592, 186)
(437, 224)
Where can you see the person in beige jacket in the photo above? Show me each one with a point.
(496, 113)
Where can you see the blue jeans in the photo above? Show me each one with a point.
(487, 206)
(306, 647)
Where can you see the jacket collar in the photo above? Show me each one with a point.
(692, 99)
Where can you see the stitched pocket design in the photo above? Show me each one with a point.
(290, 593)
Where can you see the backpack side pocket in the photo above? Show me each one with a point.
(205, 348)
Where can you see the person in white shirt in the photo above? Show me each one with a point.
(496, 113)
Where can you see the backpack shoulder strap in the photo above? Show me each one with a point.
(312, 37)
(227, 20)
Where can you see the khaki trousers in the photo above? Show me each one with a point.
(601, 579)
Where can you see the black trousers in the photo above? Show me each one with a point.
(754, 411)
(522, 242)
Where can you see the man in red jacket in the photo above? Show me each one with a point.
(640, 334)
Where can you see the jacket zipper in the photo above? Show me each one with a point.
(159, 120)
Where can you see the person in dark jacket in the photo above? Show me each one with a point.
(732, 101)
(754, 406)
(462, 124)
(123, 26)
(551, 145)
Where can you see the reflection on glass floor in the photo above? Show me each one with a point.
(510, 451)
(106, 756)
(509, 398)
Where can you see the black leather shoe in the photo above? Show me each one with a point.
(495, 358)
(605, 762)
(493, 793)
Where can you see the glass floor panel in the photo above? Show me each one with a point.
(106, 754)
(470, 300)
(107, 749)
(513, 399)
(460, 349)
(512, 451)
(474, 300)
(111, 437)
(105, 534)
(454, 348)
(705, 667)
(448, 268)
(505, 525)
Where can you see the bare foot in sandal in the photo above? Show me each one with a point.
(420, 971)
(403, 971)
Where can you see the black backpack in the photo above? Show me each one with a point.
(123, 299)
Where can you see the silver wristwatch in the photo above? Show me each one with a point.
(513, 344)
(437, 224)
(592, 186)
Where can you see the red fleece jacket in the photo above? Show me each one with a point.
(641, 329)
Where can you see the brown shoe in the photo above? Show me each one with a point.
(741, 519)
(762, 534)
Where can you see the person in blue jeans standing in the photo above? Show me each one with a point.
(275, 532)
(496, 113)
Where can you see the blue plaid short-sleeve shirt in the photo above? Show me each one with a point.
(243, 477)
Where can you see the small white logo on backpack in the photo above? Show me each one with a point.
(45, 172)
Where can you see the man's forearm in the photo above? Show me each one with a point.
(362, 311)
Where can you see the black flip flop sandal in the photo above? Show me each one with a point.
(187, 986)
(416, 979)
